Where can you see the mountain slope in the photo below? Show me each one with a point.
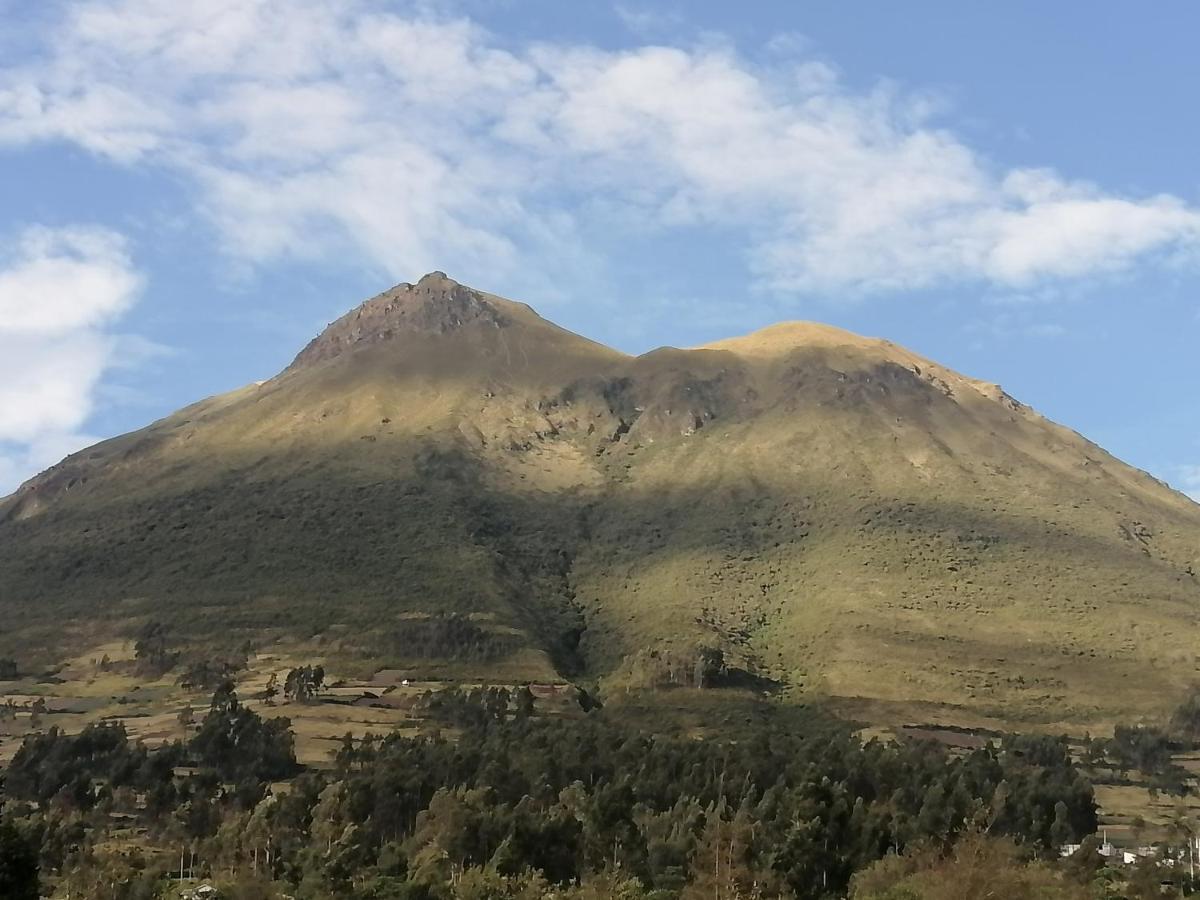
(837, 514)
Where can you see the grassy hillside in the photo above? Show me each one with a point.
(840, 517)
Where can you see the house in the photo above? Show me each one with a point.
(1114, 855)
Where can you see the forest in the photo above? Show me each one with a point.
(494, 799)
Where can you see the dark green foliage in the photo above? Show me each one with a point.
(238, 744)
(519, 805)
(152, 649)
(1039, 749)
(8, 669)
(1143, 748)
(571, 798)
(1185, 721)
(304, 683)
(467, 709)
(978, 867)
(525, 702)
(18, 864)
(710, 663)
(207, 672)
(448, 636)
(1149, 750)
(54, 765)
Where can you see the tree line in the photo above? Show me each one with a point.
(496, 800)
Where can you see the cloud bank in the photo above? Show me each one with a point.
(59, 289)
(311, 127)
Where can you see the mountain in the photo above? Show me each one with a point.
(444, 475)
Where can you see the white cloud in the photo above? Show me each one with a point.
(312, 126)
(59, 288)
(62, 280)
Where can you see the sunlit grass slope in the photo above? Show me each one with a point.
(838, 515)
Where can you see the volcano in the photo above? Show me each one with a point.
(841, 518)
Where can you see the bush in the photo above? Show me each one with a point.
(18, 864)
(977, 868)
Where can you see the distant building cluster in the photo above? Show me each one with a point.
(1114, 855)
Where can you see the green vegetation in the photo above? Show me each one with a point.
(303, 683)
(518, 802)
(1149, 750)
(152, 650)
(18, 863)
(238, 745)
(975, 868)
(1146, 749)
(445, 488)
(450, 636)
(835, 515)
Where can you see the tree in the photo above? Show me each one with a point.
(723, 865)
(508, 804)
(271, 691)
(710, 663)
(8, 669)
(37, 709)
(1060, 829)
(238, 744)
(1085, 863)
(18, 865)
(1185, 721)
(1144, 879)
(303, 683)
(525, 702)
(977, 868)
(204, 674)
(150, 649)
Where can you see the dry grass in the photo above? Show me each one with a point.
(838, 514)
(382, 704)
(83, 693)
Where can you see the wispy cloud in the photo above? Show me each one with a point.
(312, 127)
(60, 289)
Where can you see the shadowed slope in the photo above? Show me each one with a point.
(837, 514)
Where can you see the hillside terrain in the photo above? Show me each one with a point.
(444, 481)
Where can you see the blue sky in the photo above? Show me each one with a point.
(189, 192)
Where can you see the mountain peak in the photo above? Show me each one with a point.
(831, 511)
(784, 337)
(435, 278)
(436, 304)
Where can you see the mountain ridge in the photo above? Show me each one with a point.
(838, 515)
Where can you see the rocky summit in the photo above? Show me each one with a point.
(443, 475)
